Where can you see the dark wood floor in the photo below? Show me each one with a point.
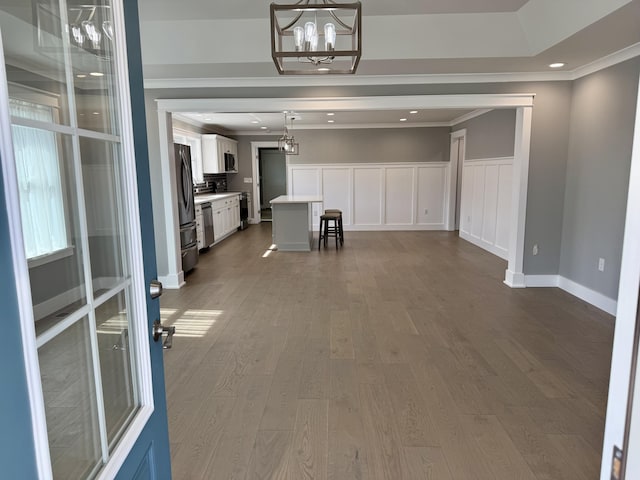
(401, 356)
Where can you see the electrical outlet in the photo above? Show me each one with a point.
(248, 180)
(601, 264)
(535, 249)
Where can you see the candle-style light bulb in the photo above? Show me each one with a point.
(329, 36)
(310, 32)
(298, 38)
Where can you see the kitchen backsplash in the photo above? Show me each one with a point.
(213, 183)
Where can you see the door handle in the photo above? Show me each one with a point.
(155, 289)
(159, 329)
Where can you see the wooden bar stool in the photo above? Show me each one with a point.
(327, 230)
(341, 229)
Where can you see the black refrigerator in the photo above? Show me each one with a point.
(186, 207)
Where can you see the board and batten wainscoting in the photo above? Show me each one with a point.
(391, 196)
(485, 204)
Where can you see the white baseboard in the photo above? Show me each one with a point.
(390, 228)
(514, 279)
(58, 302)
(491, 248)
(590, 296)
(542, 280)
(172, 281)
(596, 299)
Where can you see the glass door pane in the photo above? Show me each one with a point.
(120, 398)
(59, 55)
(70, 402)
(101, 171)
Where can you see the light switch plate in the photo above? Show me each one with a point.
(601, 264)
(248, 180)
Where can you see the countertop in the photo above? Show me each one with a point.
(199, 199)
(297, 199)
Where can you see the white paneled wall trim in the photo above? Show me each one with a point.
(486, 203)
(389, 196)
(596, 299)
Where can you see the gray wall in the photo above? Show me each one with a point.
(235, 181)
(491, 135)
(373, 145)
(599, 159)
(55, 278)
(549, 145)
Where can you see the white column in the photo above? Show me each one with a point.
(514, 276)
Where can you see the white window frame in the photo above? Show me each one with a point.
(38, 97)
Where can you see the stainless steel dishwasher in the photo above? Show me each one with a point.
(207, 223)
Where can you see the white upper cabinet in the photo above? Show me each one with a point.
(214, 148)
(192, 140)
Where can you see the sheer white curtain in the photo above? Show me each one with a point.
(38, 169)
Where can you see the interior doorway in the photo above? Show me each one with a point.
(272, 175)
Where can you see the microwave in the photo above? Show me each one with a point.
(230, 162)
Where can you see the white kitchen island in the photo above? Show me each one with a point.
(292, 222)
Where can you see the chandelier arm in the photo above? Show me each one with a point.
(78, 17)
(92, 14)
(334, 16)
(293, 22)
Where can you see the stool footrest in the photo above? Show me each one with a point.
(327, 230)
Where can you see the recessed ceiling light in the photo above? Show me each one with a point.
(96, 113)
(255, 121)
(263, 128)
(557, 65)
(96, 74)
(413, 111)
(330, 114)
(81, 75)
(324, 69)
(403, 119)
(330, 121)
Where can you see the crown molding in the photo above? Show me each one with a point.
(469, 116)
(353, 80)
(364, 80)
(189, 120)
(620, 56)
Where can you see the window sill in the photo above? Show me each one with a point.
(50, 257)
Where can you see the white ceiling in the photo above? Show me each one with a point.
(213, 43)
(242, 9)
